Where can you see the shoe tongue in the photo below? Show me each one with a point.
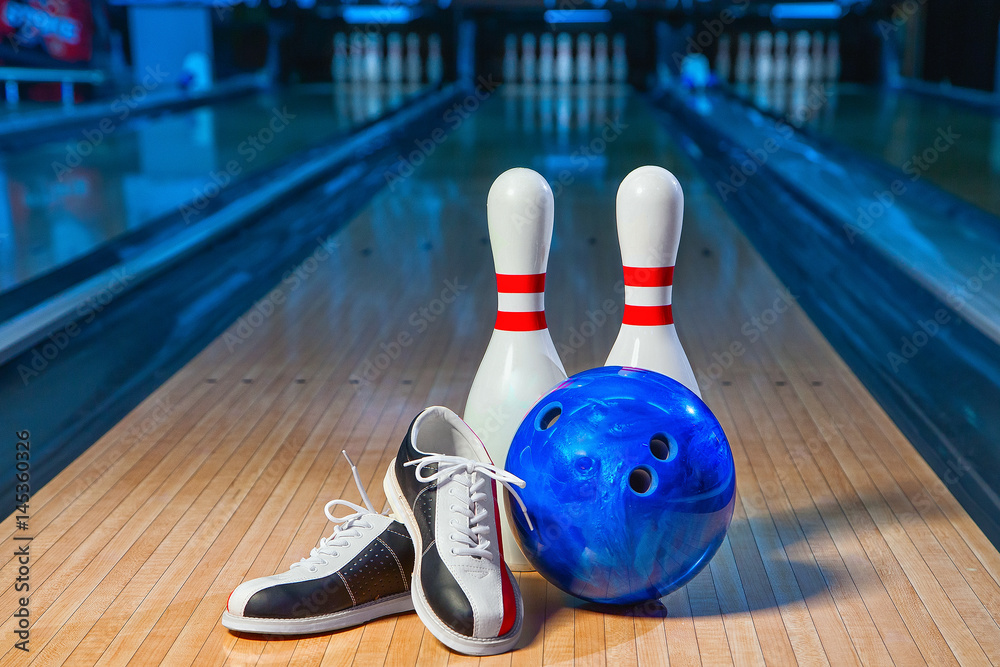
(439, 430)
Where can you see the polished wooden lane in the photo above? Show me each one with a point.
(845, 547)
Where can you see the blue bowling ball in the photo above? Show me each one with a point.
(630, 485)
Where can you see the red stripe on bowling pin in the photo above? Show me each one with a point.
(523, 284)
(647, 276)
(521, 320)
(647, 316)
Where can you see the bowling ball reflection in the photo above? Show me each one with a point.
(630, 485)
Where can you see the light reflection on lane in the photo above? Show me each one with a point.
(61, 200)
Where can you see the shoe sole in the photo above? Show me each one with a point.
(444, 633)
(397, 604)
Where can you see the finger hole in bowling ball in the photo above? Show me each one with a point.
(663, 447)
(548, 416)
(642, 480)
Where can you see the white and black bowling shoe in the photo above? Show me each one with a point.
(358, 574)
(442, 485)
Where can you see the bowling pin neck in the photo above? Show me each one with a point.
(647, 296)
(520, 302)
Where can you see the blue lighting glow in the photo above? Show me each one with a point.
(577, 16)
(807, 10)
(379, 15)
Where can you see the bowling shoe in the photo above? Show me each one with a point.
(443, 486)
(358, 574)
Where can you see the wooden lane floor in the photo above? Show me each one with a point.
(845, 547)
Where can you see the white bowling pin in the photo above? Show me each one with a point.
(373, 58)
(435, 63)
(781, 57)
(564, 58)
(743, 63)
(338, 67)
(520, 363)
(528, 62)
(414, 70)
(394, 57)
(650, 209)
(583, 58)
(818, 59)
(800, 58)
(764, 63)
(619, 59)
(356, 64)
(510, 59)
(723, 60)
(546, 58)
(601, 61)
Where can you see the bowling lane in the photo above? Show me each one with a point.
(64, 198)
(953, 146)
(222, 473)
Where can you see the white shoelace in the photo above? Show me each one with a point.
(472, 475)
(346, 528)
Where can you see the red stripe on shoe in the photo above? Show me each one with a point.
(647, 316)
(506, 588)
(648, 276)
(528, 283)
(508, 320)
